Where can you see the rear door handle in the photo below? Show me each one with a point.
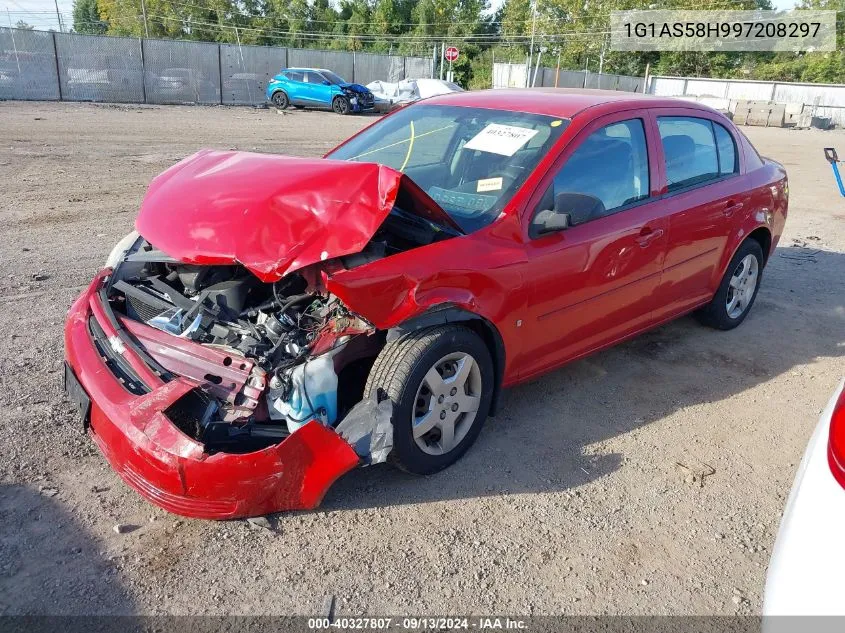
(648, 235)
(732, 207)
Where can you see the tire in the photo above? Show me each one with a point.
(280, 99)
(340, 105)
(741, 283)
(401, 371)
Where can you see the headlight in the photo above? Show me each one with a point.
(353, 100)
(120, 249)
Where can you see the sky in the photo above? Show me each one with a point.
(42, 13)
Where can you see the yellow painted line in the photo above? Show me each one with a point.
(410, 149)
(404, 140)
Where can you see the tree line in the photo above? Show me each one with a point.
(572, 31)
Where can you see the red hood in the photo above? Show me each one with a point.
(272, 214)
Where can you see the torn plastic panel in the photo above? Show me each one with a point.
(368, 427)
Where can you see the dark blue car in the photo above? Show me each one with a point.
(317, 88)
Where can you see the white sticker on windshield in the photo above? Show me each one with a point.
(500, 139)
(489, 184)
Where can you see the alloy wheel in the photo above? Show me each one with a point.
(742, 286)
(446, 403)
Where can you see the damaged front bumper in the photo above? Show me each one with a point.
(128, 420)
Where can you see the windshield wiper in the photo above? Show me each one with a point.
(431, 225)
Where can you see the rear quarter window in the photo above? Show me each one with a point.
(728, 163)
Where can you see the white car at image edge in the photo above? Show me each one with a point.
(807, 571)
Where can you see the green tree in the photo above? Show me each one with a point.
(86, 18)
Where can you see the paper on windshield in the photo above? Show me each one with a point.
(501, 139)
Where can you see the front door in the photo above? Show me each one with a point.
(594, 282)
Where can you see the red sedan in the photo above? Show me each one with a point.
(276, 321)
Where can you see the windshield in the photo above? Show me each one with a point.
(333, 79)
(471, 161)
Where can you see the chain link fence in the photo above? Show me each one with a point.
(28, 68)
(42, 65)
(514, 76)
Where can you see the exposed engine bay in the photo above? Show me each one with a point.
(266, 356)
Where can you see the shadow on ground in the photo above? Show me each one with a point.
(49, 564)
(536, 442)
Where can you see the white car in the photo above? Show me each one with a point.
(805, 574)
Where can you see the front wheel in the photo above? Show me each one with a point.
(441, 383)
(735, 296)
(340, 105)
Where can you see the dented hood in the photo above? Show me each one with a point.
(272, 214)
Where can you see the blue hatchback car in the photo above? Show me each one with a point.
(317, 88)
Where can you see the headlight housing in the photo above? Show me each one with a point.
(119, 250)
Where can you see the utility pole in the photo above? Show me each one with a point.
(531, 48)
(59, 18)
(601, 54)
(442, 56)
(144, 13)
(557, 69)
(14, 44)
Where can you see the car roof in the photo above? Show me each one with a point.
(561, 102)
(316, 70)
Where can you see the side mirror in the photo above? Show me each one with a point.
(326, 82)
(550, 221)
(569, 209)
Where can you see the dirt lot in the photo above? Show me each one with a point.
(572, 501)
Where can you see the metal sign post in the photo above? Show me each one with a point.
(451, 55)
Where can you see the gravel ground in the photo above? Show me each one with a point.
(584, 495)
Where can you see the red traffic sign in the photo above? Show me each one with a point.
(451, 53)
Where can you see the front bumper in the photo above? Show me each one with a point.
(363, 103)
(171, 469)
(805, 572)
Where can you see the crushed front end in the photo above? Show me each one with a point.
(212, 394)
(214, 369)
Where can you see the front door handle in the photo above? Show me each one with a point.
(648, 235)
(732, 207)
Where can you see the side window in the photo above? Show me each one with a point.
(727, 151)
(293, 75)
(689, 146)
(611, 165)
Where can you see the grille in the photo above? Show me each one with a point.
(143, 310)
(190, 412)
(114, 361)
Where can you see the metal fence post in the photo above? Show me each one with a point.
(143, 71)
(58, 76)
(220, 70)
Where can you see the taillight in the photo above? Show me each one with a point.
(836, 443)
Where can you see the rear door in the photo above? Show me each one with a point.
(702, 192)
(295, 88)
(594, 282)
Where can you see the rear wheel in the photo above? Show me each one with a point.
(340, 105)
(280, 100)
(735, 296)
(441, 383)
